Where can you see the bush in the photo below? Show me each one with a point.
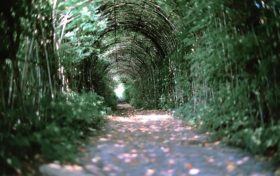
(52, 130)
(228, 70)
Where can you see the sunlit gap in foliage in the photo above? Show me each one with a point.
(119, 89)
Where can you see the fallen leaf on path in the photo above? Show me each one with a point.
(134, 162)
(171, 162)
(150, 172)
(230, 166)
(152, 160)
(165, 149)
(188, 166)
(210, 159)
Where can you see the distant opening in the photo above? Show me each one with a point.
(119, 91)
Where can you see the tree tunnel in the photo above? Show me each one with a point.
(215, 63)
(136, 42)
(94, 38)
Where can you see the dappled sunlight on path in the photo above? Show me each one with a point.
(147, 143)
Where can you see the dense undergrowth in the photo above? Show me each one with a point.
(54, 91)
(228, 71)
(53, 131)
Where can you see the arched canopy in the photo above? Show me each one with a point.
(139, 35)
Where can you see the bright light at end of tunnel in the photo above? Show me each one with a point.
(119, 91)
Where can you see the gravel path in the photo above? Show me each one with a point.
(151, 143)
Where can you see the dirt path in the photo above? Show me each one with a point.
(150, 143)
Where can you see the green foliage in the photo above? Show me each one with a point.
(52, 131)
(78, 29)
(133, 96)
(227, 71)
(139, 95)
(79, 49)
(49, 49)
(82, 111)
(224, 74)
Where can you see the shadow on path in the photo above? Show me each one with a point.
(151, 143)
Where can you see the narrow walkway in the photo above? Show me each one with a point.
(151, 143)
